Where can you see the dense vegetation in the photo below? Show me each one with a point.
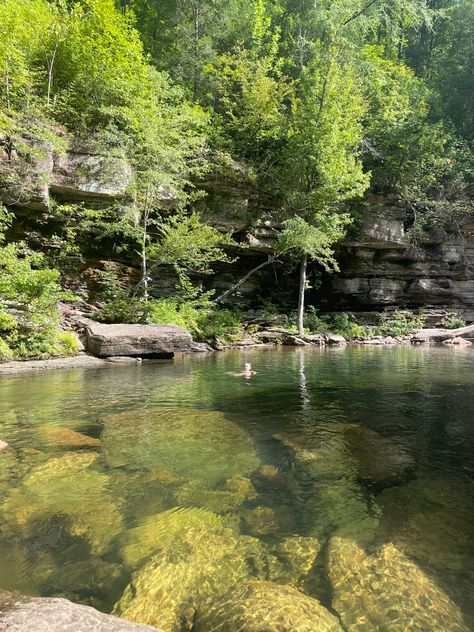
(317, 102)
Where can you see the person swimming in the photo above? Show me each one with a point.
(247, 372)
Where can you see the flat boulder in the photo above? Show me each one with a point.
(25, 614)
(137, 340)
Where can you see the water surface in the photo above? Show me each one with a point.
(110, 468)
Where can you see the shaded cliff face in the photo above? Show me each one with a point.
(379, 267)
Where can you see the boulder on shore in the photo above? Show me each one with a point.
(27, 614)
(137, 340)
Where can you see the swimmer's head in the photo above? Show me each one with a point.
(247, 366)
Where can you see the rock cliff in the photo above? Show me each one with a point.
(380, 266)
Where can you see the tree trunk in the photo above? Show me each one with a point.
(303, 264)
(144, 252)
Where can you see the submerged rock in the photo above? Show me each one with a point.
(92, 582)
(333, 501)
(202, 442)
(3, 446)
(264, 520)
(162, 530)
(259, 606)
(66, 438)
(35, 614)
(68, 487)
(195, 494)
(170, 588)
(386, 591)
(296, 557)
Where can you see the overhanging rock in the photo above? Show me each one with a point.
(137, 340)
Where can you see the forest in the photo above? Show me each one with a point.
(313, 104)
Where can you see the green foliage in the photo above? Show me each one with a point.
(68, 343)
(115, 301)
(398, 324)
(221, 323)
(453, 322)
(5, 352)
(316, 241)
(341, 324)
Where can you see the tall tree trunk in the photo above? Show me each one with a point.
(144, 245)
(303, 264)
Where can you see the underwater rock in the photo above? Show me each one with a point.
(195, 494)
(260, 606)
(3, 446)
(92, 582)
(241, 485)
(327, 479)
(296, 556)
(66, 486)
(264, 520)
(427, 520)
(38, 614)
(183, 440)
(386, 591)
(268, 477)
(162, 530)
(170, 587)
(66, 438)
(140, 493)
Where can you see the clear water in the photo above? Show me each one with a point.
(108, 468)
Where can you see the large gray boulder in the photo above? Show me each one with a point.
(442, 335)
(137, 340)
(35, 614)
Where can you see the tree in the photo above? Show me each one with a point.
(321, 166)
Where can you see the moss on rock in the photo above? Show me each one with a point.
(70, 487)
(181, 440)
(386, 591)
(161, 531)
(260, 606)
(169, 588)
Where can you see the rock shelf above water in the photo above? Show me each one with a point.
(137, 340)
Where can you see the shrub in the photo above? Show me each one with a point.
(453, 322)
(341, 324)
(68, 344)
(398, 324)
(222, 323)
(5, 352)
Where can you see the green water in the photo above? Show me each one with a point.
(161, 486)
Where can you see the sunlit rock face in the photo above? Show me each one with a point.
(386, 591)
(169, 589)
(257, 606)
(26, 614)
(181, 440)
(70, 489)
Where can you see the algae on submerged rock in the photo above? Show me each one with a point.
(162, 530)
(386, 591)
(70, 487)
(171, 586)
(182, 440)
(261, 606)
